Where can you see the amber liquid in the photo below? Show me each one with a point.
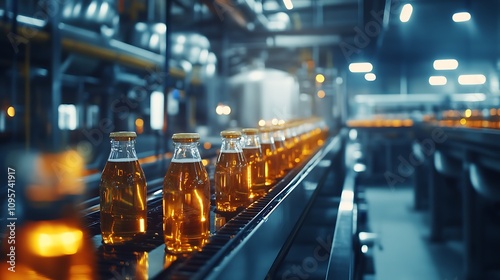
(297, 150)
(186, 206)
(271, 163)
(232, 185)
(281, 154)
(123, 201)
(290, 147)
(306, 144)
(256, 172)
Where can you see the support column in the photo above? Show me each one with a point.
(165, 133)
(436, 201)
(473, 229)
(55, 78)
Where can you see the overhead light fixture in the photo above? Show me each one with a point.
(406, 12)
(445, 64)
(475, 79)
(370, 77)
(288, 4)
(156, 110)
(437, 80)
(461, 17)
(360, 67)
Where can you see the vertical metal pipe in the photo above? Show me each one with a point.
(318, 13)
(151, 10)
(224, 57)
(14, 5)
(403, 84)
(167, 83)
(361, 14)
(55, 77)
(27, 96)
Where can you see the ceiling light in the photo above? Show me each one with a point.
(461, 17)
(360, 67)
(476, 79)
(437, 80)
(406, 13)
(288, 4)
(445, 64)
(370, 77)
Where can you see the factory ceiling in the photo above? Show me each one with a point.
(312, 30)
(343, 30)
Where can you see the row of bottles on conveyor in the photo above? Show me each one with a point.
(249, 163)
(473, 118)
(51, 242)
(381, 121)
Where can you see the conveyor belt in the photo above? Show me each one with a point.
(246, 245)
(308, 248)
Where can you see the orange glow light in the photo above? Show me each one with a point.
(321, 93)
(49, 240)
(11, 112)
(139, 124)
(207, 145)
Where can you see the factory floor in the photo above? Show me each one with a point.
(405, 253)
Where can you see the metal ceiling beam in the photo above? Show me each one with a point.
(324, 3)
(289, 41)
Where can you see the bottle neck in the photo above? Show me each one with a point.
(186, 152)
(122, 149)
(278, 135)
(251, 141)
(267, 138)
(231, 145)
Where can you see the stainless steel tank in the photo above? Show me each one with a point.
(99, 16)
(263, 94)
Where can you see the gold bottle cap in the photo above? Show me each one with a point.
(123, 134)
(250, 131)
(230, 134)
(186, 136)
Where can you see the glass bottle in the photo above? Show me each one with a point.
(232, 185)
(281, 151)
(122, 192)
(290, 146)
(294, 144)
(272, 169)
(186, 197)
(256, 165)
(304, 136)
